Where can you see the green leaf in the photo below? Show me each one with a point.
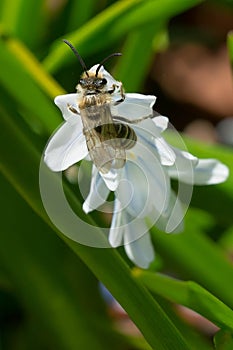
(24, 19)
(230, 47)
(41, 282)
(194, 338)
(209, 197)
(113, 24)
(20, 78)
(226, 240)
(188, 294)
(106, 264)
(223, 340)
(196, 257)
(79, 14)
(227, 3)
(137, 56)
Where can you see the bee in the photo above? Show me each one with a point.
(107, 137)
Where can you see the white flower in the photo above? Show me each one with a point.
(147, 194)
(142, 186)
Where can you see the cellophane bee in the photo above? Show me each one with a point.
(107, 137)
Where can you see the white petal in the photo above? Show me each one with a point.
(184, 165)
(66, 147)
(98, 192)
(171, 221)
(209, 172)
(166, 153)
(63, 101)
(161, 122)
(117, 228)
(147, 129)
(149, 134)
(133, 190)
(135, 106)
(160, 187)
(112, 178)
(156, 184)
(140, 250)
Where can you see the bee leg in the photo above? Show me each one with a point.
(72, 109)
(122, 96)
(128, 121)
(121, 93)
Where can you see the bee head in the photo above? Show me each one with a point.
(92, 83)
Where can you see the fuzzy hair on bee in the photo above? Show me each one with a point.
(107, 138)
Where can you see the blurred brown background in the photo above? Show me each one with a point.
(193, 78)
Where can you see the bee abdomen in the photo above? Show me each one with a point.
(126, 135)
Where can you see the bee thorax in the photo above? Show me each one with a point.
(94, 100)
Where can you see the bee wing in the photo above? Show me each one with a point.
(94, 116)
(120, 158)
(106, 157)
(104, 148)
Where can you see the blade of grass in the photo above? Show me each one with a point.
(113, 24)
(32, 66)
(137, 54)
(40, 279)
(22, 56)
(80, 14)
(223, 340)
(24, 19)
(197, 257)
(226, 240)
(22, 85)
(193, 337)
(230, 47)
(189, 294)
(106, 264)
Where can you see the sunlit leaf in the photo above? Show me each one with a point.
(188, 294)
(17, 79)
(197, 257)
(113, 24)
(24, 19)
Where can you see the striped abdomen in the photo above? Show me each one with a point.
(126, 135)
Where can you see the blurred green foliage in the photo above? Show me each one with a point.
(49, 284)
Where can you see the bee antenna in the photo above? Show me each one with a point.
(105, 59)
(77, 55)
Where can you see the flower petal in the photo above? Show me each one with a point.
(171, 221)
(134, 106)
(63, 101)
(166, 153)
(66, 147)
(112, 178)
(209, 172)
(184, 165)
(144, 183)
(98, 192)
(161, 122)
(117, 229)
(133, 190)
(139, 250)
(149, 134)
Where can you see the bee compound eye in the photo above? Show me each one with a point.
(82, 82)
(103, 81)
